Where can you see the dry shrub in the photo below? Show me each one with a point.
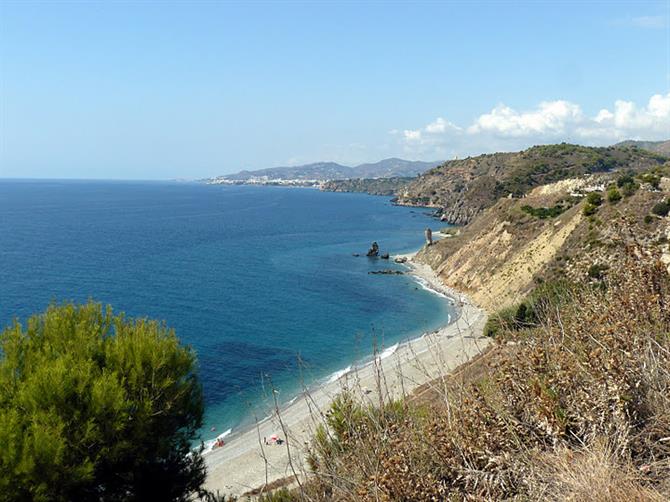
(595, 371)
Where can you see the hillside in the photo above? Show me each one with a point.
(462, 188)
(662, 147)
(552, 233)
(571, 402)
(323, 171)
(372, 186)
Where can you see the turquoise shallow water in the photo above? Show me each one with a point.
(261, 281)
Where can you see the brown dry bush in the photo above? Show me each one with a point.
(585, 394)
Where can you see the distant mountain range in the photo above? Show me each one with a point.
(323, 171)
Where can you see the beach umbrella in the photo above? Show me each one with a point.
(274, 437)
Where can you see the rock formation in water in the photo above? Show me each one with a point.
(374, 250)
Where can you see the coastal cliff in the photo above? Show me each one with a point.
(552, 233)
(372, 186)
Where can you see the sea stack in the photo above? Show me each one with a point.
(374, 250)
(429, 237)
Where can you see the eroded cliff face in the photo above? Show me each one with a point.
(505, 251)
(461, 189)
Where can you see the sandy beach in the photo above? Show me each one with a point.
(246, 462)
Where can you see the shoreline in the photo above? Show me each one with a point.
(248, 424)
(246, 463)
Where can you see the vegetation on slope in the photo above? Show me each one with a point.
(572, 406)
(372, 186)
(662, 147)
(463, 188)
(573, 401)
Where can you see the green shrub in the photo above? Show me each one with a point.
(589, 209)
(613, 195)
(594, 198)
(500, 321)
(648, 218)
(661, 209)
(652, 179)
(629, 189)
(527, 313)
(625, 179)
(543, 212)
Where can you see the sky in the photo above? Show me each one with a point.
(162, 90)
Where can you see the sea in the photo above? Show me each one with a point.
(261, 281)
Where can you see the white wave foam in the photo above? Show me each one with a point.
(209, 444)
(428, 287)
(224, 434)
(388, 352)
(338, 374)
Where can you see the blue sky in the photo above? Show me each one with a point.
(176, 89)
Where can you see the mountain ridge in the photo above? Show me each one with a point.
(324, 171)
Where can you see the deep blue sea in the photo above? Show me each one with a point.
(261, 281)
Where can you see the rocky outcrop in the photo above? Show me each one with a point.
(374, 250)
(429, 236)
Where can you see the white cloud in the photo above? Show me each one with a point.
(505, 128)
(653, 22)
(430, 133)
(440, 126)
(630, 121)
(412, 136)
(549, 117)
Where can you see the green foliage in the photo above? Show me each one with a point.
(500, 321)
(94, 406)
(374, 186)
(653, 180)
(528, 312)
(625, 179)
(626, 182)
(282, 495)
(544, 212)
(613, 195)
(629, 189)
(661, 209)
(594, 198)
(648, 218)
(589, 209)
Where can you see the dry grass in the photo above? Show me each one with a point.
(593, 473)
(575, 408)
